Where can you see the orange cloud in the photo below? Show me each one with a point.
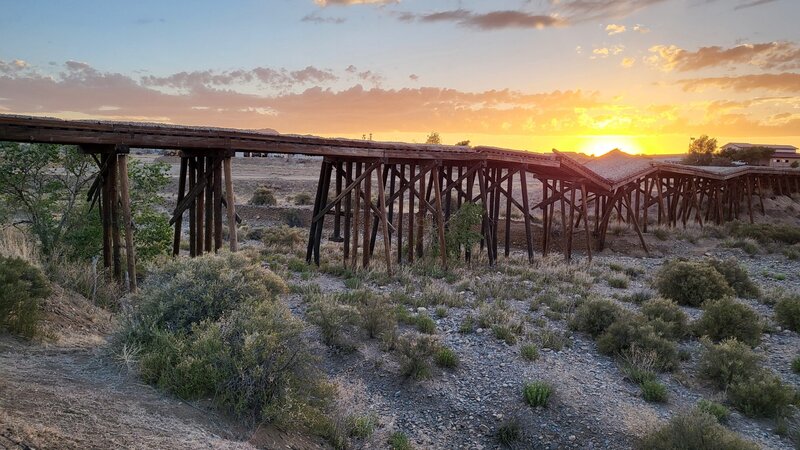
(613, 29)
(779, 82)
(769, 55)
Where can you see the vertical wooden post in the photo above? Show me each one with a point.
(318, 205)
(387, 245)
(545, 218)
(367, 213)
(114, 196)
(437, 188)
(421, 216)
(192, 208)
(130, 250)
(356, 218)
(411, 212)
(400, 205)
(337, 218)
(105, 210)
(562, 201)
(584, 199)
(509, 192)
(571, 220)
(348, 213)
(470, 198)
(209, 208)
(523, 183)
(176, 238)
(483, 194)
(217, 204)
(231, 202)
(327, 166)
(200, 210)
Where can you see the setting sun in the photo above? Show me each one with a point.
(599, 145)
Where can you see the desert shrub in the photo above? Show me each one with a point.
(736, 276)
(719, 411)
(415, 355)
(637, 297)
(529, 352)
(618, 281)
(639, 365)
(22, 287)
(302, 199)
(505, 333)
(727, 361)
(727, 318)
(85, 279)
(377, 315)
(336, 321)
(653, 391)
(425, 324)
(399, 441)
(765, 232)
(509, 432)
(283, 237)
(537, 393)
(666, 317)
(211, 327)
(796, 365)
(691, 283)
(749, 246)
(263, 196)
(439, 293)
(467, 325)
(594, 316)
(787, 312)
(362, 427)
(293, 219)
(553, 339)
(447, 358)
(694, 430)
(630, 331)
(662, 234)
(441, 312)
(763, 395)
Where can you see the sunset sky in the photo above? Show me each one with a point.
(576, 75)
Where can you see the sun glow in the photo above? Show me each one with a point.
(599, 145)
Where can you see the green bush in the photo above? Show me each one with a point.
(263, 196)
(595, 316)
(726, 362)
(415, 355)
(362, 427)
(691, 283)
(796, 365)
(537, 393)
(22, 287)
(764, 232)
(737, 277)
(763, 395)
(336, 322)
(467, 325)
(694, 430)
(633, 331)
(505, 334)
(399, 441)
(713, 408)
(666, 317)
(447, 358)
(727, 318)
(653, 391)
(377, 314)
(283, 237)
(211, 327)
(462, 227)
(618, 281)
(787, 312)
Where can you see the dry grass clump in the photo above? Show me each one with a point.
(211, 327)
(498, 318)
(416, 353)
(694, 430)
(691, 283)
(16, 244)
(283, 238)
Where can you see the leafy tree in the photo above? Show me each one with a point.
(464, 143)
(433, 138)
(41, 185)
(750, 155)
(152, 232)
(701, 151)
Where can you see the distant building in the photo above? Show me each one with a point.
(783, 156)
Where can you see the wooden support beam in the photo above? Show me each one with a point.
(114, 196)
(367, 212)
(387, 245)
(636, 226)
(192, 208)
(105, 212)
(400, 207)
(348, 213)
(420, 244)
(523, 184)
(571, 221)
(199, 200)
(483, 194)
(411, 213)
(584, 200)
(230, 206)
(125, 198)
(337, 218)
(176, 238)
(356, 216)
(217, 206)
(509, 196)
(327, 167)
(437, 188)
